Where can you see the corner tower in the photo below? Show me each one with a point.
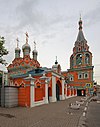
(81, 70)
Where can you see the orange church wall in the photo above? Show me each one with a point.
(68, 92)
(38, 94)
(82, 81)
(24, 96)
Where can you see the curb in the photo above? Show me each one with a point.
(82, 120)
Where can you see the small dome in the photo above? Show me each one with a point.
(35, 51)
(26, 46)
(17, 49)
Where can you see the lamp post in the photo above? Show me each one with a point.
(32, 91)
(47, 80)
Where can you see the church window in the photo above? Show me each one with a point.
(86, 75)
(87, 59)
(79, 59)
(80, 76)
(71, 78)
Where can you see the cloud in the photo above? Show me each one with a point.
(30, 14)
(93, 16)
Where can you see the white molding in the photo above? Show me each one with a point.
(37, 103)
(32, 96)
(50, 98)
(57, 75)
(53, 89)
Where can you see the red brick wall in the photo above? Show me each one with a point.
(24, 96)
(38, 94)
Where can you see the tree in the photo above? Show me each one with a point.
(3, 51)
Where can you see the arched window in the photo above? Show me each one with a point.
(80, 75)
(86, 75)
(87, 58)
(71, 78)
(79, 59)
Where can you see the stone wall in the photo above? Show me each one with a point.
(11, 96)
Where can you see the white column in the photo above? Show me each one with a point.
(46, 92)
(53, 89)
(66, 91)
(63, 89)
(32, 94)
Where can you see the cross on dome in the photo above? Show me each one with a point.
(34, 45)
(27, 36)
(17, 41)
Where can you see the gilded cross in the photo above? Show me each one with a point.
(26, 37)
(34, 45)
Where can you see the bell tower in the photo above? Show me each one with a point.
(81, 56)
(81, 68)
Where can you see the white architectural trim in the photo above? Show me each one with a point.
(50, 98)
(32, 98)
(57, 75)
(53, 89)
(37, 103)
(46, 93)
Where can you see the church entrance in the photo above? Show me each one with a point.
(49, 93)
(57, 92)
(81, 92)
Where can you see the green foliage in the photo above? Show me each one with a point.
(3, 51)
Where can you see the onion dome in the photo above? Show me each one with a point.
(17, 50)
(35, 52)
(26, 47)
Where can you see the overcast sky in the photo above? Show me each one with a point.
(53, 24)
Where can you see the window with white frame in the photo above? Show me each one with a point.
(71, 78)
(80, 76)
(86, 75)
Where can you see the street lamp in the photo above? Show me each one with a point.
(47, 80)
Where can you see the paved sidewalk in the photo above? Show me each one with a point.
(51, 115)
(93, 114)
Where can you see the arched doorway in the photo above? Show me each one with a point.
(49, 93)
(58, 90)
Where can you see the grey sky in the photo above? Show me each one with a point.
(54, 26)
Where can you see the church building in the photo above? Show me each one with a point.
(36, 85)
